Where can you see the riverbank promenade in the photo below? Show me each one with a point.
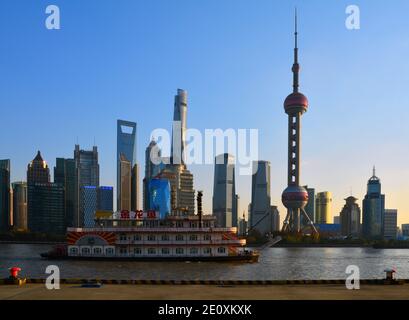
(205, 292)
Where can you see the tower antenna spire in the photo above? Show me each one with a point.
(296, 66)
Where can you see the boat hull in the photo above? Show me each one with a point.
(238, 258)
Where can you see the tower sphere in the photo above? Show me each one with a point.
(295, 197)
(295, 102)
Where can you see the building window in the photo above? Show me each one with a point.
(207, 237)
(179, 237)
(193, 237)
(194, 250)
(137, 251)
(97, 251)
(179, 251)
(165, 237)
(207, 250)
(165, 251)
(85, 251)
(137, 237)
(221, 250)
(151, 251)
(151, 237)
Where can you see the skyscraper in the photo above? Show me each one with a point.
(224, 191)
(46, 212)
(38, 171)
(95, 199)
(19, 206)
(262, 214)
(179, 127)
(124, 186)
(105, 198)
(373, 209)
(5, 206)
(126, 147)
(65, 174)
(180, 178)
(159, 191)
(390, 225)
(87, 174)
(323, 207)
(295, 197)
(310, 207)
(350, 218)
(153, 166)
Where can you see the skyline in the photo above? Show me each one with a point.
(258, 73)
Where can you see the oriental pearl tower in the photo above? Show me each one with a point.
(295, 197)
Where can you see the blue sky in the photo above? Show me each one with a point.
(125, 59)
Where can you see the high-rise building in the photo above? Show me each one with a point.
(87, 174)
(405, 230)
(263, 215)
(135, 188)
(159, 191)
(153, 166)
(124, 186)
(180, 178)
(126, 147)
(390, 225)
(5, 205)
(179, 128)
(350, 218)
(310, 207)
(295, 197)
(323, 207)
(38, 171)
(243, 226)
(224, 191)
(95, 199)
(46, 212)
(373, 209)
(20, 206)
(105, 198)
(89, 204)
(65, 174)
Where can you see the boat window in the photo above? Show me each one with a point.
(122, 237)
(151, 237)
(97, 250)
(179, 224)
(193, 237)
(179, 251)
(207, 250)
(151, 251)
(207, 237)
(74, 250)
(123, 250)
(165, 237)
(179, 237)
(221, 250)
(165, 251)
(109, 251)
(85, 251)
(137, 237)
(137, 251)
(194, 250)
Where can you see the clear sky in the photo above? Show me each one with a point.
(125, 59)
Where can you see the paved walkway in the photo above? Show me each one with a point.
(205, 292)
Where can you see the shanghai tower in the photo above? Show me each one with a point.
(295, 197)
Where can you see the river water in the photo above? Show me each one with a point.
(274, 264)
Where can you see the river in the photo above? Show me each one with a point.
(274, 264)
